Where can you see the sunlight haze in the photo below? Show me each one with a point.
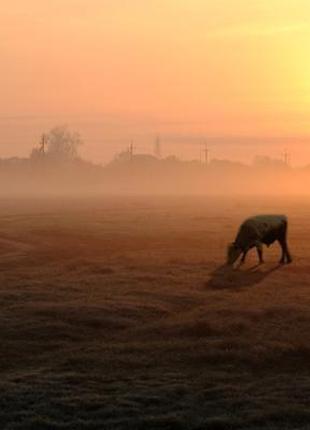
(201, 67)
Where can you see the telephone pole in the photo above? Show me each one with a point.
(131, 150)
(157, 147)
(286, 157)
(42, 144)
(206, 154)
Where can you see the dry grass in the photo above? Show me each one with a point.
(118, 315)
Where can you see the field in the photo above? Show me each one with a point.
(117, 314)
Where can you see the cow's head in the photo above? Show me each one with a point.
(233, 253)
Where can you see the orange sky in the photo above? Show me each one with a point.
(213, 67)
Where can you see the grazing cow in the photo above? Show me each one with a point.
(256, 231)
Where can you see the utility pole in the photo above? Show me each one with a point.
(286, 157)
(42, 144)
(131, 149)
(206, 154)
(157, 147)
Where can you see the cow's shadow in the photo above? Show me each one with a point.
(225, 277)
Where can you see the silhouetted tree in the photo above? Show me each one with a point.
(62, 144)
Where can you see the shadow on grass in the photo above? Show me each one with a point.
(225, 277)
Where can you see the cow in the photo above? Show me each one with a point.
(256, 231)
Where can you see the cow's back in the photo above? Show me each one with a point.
(263, 228)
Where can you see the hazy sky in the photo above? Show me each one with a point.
(118, 67)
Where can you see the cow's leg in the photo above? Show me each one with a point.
(283, 243)
(285, 252)
(288, 255)
(244, 256)
(259, 249)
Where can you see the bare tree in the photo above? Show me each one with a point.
(62, 144)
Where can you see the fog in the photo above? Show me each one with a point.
(106, 135)
(140, 174)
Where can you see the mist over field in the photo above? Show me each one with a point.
(117, 308)
(149, 176)
(116, 313)
(55, 167)
(154, 215)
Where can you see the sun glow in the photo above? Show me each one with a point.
(238, 68)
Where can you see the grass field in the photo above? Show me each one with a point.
(117, 314)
